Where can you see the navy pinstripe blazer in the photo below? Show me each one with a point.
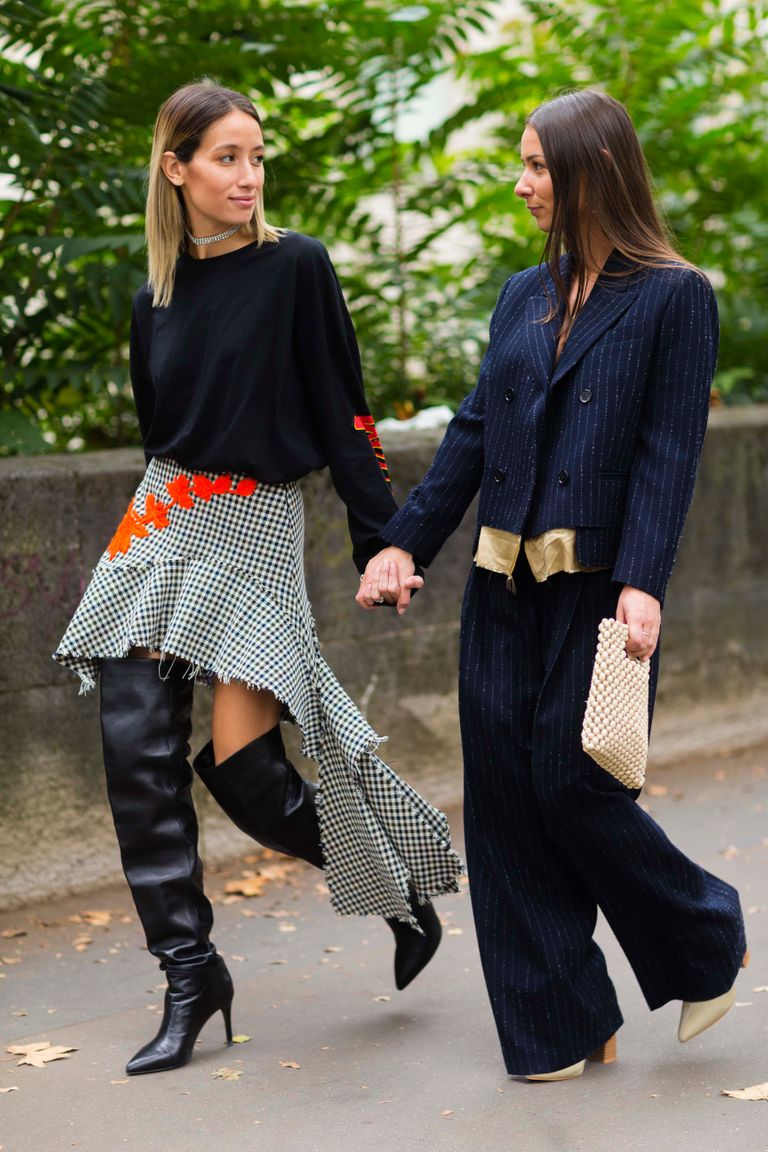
(607, 441)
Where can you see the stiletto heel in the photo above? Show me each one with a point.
(227, 1014)
(606, 1053)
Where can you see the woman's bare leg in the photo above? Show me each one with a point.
(240, 715)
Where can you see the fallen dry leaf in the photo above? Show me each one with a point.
(756, 1092)
(80, 943)
(277, 871)
(98, 917)
(21, 1012)
(761, 988)
(240, 959)
(289, 1064)
(13, 1088)
(119, 1081)
(382, 999)
(40, 1054)
(248, 886)
(330, 948)
(286, 927)
(10, 959)
(454, 932)
(447, 1112)
(729, 852)
(240, 1039)
(227, 1074)
(657, 790)
(12, 933)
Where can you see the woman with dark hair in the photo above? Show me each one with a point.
(583, 437)
(246, 377)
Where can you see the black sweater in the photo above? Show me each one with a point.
(254, 368)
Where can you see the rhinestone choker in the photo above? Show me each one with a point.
(214, 239)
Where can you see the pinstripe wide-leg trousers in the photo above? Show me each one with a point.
(551, 837)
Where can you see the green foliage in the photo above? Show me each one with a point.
(424, 230)
(694, 75)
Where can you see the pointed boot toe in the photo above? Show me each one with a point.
(194, 994)
(569, 1073)
(697, 1015)
(413, 951)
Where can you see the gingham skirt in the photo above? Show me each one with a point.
(208, 568)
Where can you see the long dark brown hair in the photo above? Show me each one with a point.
(598, 171)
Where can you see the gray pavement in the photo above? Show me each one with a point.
(379, 1070)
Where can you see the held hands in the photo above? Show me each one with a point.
(642, 612)
(389, 579)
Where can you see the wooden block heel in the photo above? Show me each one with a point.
(606, 1053)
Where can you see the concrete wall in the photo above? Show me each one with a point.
(57, 512)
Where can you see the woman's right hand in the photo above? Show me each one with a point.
(389, 578)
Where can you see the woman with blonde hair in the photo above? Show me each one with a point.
(582, 438)
(246, 377)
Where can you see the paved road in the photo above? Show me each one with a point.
(379, 1070)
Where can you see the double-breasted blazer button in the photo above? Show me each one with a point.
(586, 395)
(563, 478)
(509, 394)
(499, 475)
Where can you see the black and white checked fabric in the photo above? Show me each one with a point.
(216, 579)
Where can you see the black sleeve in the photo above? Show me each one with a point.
(330, 362)
(143, 392)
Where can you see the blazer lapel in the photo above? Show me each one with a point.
(539, 339)
(608, 300)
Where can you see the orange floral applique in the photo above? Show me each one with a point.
(366, 424)
(202, 487)
(155, 512)
(182, 490)
(222, 485)
(178, 490)
(129, 527)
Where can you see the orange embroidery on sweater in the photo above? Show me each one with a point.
(182, 492)
(130, 525)
(366, 424)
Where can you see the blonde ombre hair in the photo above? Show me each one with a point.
(181, 123)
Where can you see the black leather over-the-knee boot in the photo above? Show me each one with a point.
(264, 795)
(146, 723)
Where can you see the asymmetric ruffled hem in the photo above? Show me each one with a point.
(209, 570)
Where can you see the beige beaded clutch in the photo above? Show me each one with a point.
(615, 729)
